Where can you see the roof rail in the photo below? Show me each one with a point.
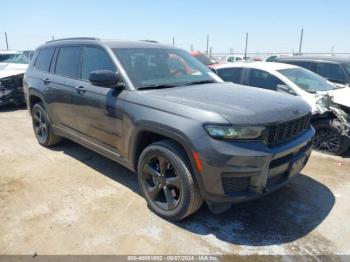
(151, 41)
(73, 38)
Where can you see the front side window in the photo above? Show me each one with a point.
(262, 79)
(230, 74)
(68, 61)
(95, 59)
(331, 71)
(155, 67)
(307, 80)
(44, 58)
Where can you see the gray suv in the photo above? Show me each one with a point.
(159, 112)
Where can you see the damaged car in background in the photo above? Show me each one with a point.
(330, 103)
(12, 67)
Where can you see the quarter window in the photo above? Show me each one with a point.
(262, 79)
(68, 61)
(43, 60)
(95, 59)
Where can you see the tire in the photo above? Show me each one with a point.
(42, 127)
(175, 176)
(329, 138)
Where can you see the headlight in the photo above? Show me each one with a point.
(11, 82)
(237, 132)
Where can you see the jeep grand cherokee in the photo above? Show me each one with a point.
(189, 136)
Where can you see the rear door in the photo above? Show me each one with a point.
(99, 109)
(63, 82)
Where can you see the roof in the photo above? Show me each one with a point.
(110, 43)
(257, 65)
(337, 59)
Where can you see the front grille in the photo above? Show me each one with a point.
(235, 184)
(283, 132)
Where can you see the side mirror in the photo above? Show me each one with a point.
(285, 89)
(106, 78)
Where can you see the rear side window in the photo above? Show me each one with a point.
(330, 71)
(262, 79)
(68, 61)
(303, 64)
(43, 60)
(95, 59)
(230, 74)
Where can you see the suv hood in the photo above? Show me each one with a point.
(237, 104)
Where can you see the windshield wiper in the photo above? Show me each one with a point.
(199, 82)
(156, 86)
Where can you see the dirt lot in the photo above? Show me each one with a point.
(69, 200)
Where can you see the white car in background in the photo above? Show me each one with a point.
(236, 58)
(13, 64)
(330, 104)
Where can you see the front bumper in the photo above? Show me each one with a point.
(240, 171)
(12, 96)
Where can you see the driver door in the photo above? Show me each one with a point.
(99, 109)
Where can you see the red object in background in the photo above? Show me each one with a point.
(204, 58)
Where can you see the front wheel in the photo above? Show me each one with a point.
(166, 181)
(42, 126)
(329, 138)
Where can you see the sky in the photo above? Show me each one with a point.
(273, 26)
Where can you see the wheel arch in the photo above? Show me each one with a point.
(145, 135)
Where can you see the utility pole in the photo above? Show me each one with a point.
(173, 41)
(7, 44)
(246, 45)
(208, 44)
(210, 51)
(191, 47)
(53, 38)
(301, 40)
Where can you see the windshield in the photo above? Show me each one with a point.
(307, 80)
(13, 58)
(204, 59)
(160, 67)
(347, 68)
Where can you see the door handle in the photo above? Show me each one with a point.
(46, 81)
(80, 89)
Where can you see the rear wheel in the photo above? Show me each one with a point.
(329, 138)
(42, 126)
(166, 181)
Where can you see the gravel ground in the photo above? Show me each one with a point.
(70, 200)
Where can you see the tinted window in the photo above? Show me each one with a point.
(157, 67)
(303, 64)
(95, 59)
(262, 79)
(230, 74)
(68, 61)
(330, 71)
(43, 60)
